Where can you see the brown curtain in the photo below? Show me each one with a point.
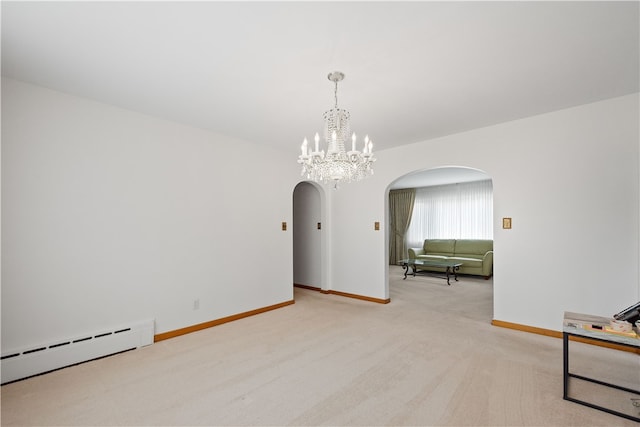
(400, 210)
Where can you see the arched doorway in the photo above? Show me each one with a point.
(308, 240)
(442, 178)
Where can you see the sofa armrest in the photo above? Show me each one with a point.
(414, 252)
(487, 264)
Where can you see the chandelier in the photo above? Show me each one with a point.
(336, 164)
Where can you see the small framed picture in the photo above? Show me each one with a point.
(506, 223)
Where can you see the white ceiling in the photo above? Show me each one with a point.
(257, 71)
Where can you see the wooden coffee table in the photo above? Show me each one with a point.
(451, 267)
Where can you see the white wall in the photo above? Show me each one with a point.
(110, 216)
(569, 179)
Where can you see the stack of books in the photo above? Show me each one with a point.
(593, 323)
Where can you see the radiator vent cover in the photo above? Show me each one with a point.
(23, 363)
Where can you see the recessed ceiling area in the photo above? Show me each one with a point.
(439, 176)
(258, 70)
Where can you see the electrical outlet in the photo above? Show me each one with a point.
(196, 303)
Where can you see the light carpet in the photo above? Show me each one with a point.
(430, 357)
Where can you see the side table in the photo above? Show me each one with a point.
(571, 329)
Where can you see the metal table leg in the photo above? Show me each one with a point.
(565, 362)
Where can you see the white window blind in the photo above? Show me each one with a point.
(455, 211)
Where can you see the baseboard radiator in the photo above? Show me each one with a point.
(35, 360)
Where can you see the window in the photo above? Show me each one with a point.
(455, 211)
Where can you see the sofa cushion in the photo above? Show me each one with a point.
(433, 257)
(439, 247)
(473, 247)
(467, 262)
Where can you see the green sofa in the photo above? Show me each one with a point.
(476, 256)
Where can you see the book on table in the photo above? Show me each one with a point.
(593, 323)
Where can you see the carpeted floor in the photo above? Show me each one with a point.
(430, 357)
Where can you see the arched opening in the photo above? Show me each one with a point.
(309, 241)
(441, 180)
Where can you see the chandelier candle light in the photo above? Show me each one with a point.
(336, 165)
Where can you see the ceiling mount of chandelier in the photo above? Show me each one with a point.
(336, 164)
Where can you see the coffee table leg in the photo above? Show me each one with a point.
(448, 270)
(455, 272)
(406, 269)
